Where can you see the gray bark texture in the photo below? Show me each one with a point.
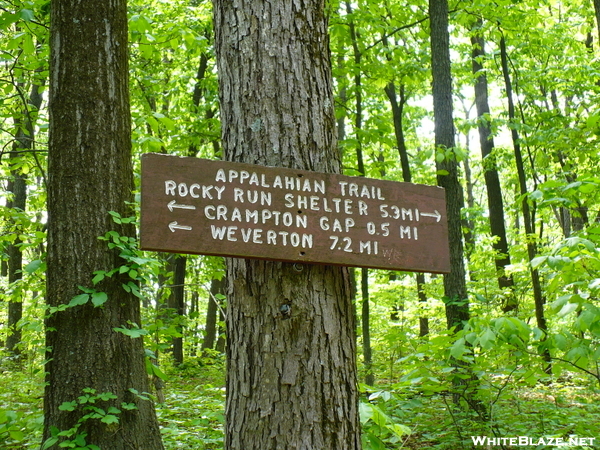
(291, 349)
(90, 174)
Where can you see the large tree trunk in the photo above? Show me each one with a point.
(455, 290)
(490, 172)
(291, 351)
(90, 174)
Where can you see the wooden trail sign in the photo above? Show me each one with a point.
(199, 206)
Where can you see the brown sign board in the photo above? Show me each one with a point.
(199, 206)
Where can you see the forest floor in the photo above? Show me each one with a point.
(548, 415)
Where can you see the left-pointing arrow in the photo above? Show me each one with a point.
(173, 204)
(175, 226)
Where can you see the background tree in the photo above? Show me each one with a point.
(490, 167)
(455, 290)
(90, 177)
(291, 380)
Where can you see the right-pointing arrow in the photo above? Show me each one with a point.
(435, 214)
(175, 226)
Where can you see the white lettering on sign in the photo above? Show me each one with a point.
(221, 212)
(242, 196)
(362, 191)
(260, 223)
(195, 190)
(405, 232)
(289, 183)
(260, 236)
(336, 225)
(232, 209)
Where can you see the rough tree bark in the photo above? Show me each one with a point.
(90, 174)
(291, 350)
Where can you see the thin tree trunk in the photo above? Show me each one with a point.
(221, 335)
(291, 352)
(194, 304)
(457, 307)
(217, 288)
(597, 11)
(455, 289)
(176, 304)
(364, 272)
(90, 174)
(366, 327)
(525, 209)
(397, 114)
(17, 186)
(492, 178)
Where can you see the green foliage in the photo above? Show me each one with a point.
(381, 429)
(90, 406)
(422, 381)
(199, 390)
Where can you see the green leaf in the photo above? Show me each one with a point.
(17, 435)
(567, 309)
(80, 440)
(537, 262)
(109, 418)
(100, 275)
(33, 266)
(68, 406)
(128, 406)
(536, 195)
(80, 299)
(398, 429)
(132, 333)
(560, 341)
(49, 443)
(99, 298)
(107, 396)
(487, 339)
(365, 411)
(159, 373)
(26, 15)
(459, 348)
